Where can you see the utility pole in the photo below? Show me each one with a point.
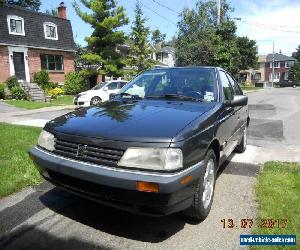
(273, 70)
(219, 12)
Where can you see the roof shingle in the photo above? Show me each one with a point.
(34, 30)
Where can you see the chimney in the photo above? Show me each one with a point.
(62, 11)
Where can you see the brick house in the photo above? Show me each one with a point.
(263, 74)
(31, 41)
(282, 65)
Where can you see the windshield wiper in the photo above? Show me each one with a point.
(175, 96)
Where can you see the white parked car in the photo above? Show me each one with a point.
(100, 93)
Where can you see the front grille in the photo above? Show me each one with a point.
(88, 153)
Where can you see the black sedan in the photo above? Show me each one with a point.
(155, 148)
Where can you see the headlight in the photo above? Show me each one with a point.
(46, 140)
(152, 158)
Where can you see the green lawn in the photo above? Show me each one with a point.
(61, 100)
(278, 195)
(16, 168)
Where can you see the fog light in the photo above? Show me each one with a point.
(147, 186)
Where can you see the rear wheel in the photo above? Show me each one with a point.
(241, 148)
(95, 100)
(203, 196)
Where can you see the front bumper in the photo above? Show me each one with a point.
(117, 187)
(83, 102)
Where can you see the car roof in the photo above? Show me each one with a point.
(187, 67)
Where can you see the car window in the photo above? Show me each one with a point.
(122, 84)
(198, 83)
(99, 86)
(112, 86)
(236, 87)
(227, 88)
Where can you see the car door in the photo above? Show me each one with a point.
(227, 119)
(241, 111)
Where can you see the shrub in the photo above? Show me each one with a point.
(54, 85)
(74, 83)
(2, 90)
(55, 92)
(12, 82)
(18, 93)
(42, 79)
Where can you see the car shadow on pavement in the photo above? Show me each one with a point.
(118, 222)
(31, 237)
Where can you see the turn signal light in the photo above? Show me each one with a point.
(147, 186)
(186, 179)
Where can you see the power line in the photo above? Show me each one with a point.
(165, 6)
(159, 14)
(267, 26)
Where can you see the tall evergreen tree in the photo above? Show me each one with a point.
(30, 4)
(140, 49)
(296, 54)
(105, 18)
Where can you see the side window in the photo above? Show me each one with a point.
(236, 87)
(121, 84)
(112, 86)
(227, 88)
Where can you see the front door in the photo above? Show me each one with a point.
(19, 65)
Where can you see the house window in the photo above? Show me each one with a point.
(286, 76)
(159, 56)
(257, 76)
(16, 25)
(289, 64)
(276, 65)
(50, 30)
(52, 62)
(276, 76)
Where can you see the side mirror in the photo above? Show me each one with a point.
(105, 88)
(238, 100)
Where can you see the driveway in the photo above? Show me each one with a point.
(45, 217)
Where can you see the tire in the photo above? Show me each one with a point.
(241, 148)
(95, 100)
(202, 200)
(294, 86)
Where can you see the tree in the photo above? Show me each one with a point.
(140, 49)
(30, 4)
(157, 37)
(248, 53)
(296, 54)
(201, 41)
(294, 73)
(105, 18)
(52, 12)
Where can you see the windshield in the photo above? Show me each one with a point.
(99, 86)
(197, 83)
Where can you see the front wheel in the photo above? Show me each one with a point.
(203, 196)
(95, 100)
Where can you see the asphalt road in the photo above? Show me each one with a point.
(46, 218)
(275, 118)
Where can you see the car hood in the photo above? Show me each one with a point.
(145, 121)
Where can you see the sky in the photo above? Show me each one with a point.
(262, 20)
